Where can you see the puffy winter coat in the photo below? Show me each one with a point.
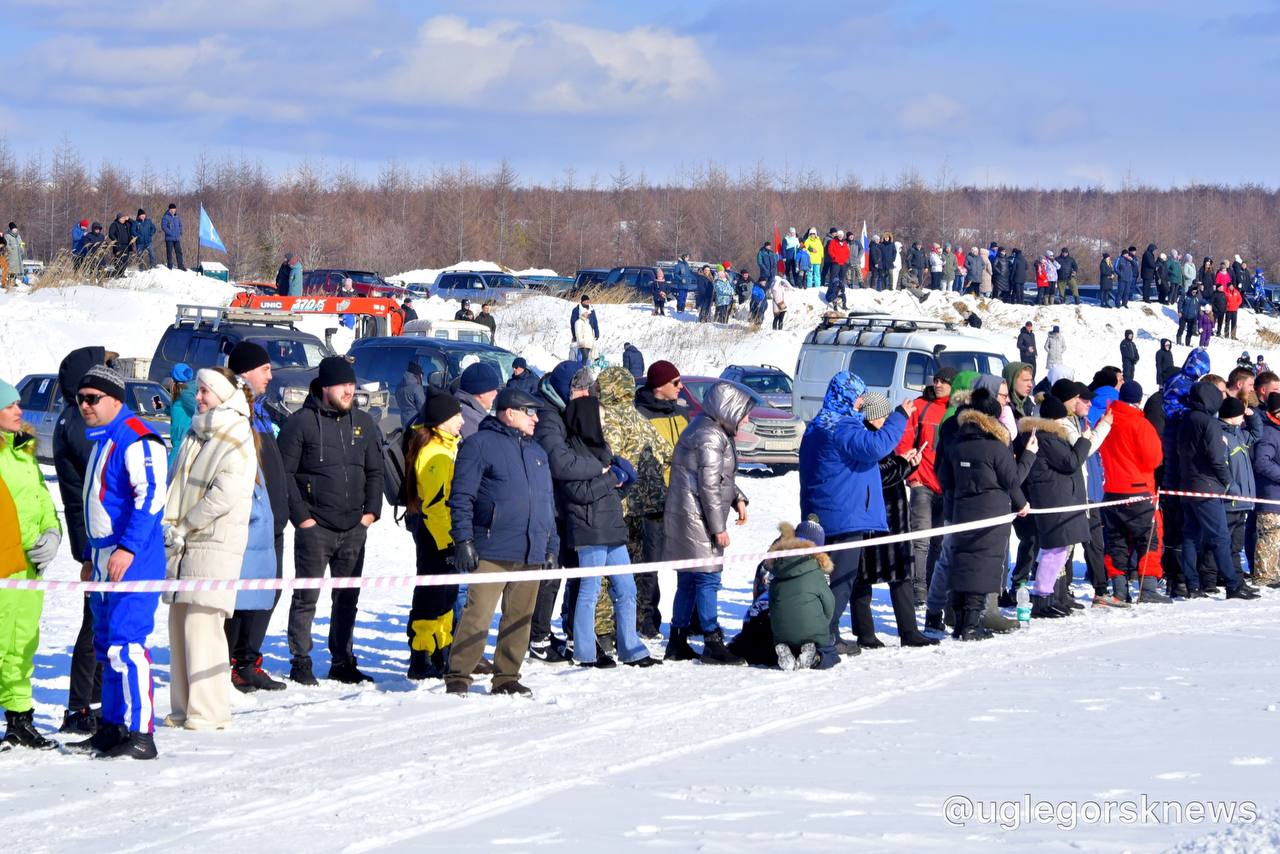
(210, 500)
(1131, 454)
(1127, 271)
(410, 396)
(1026, 345)
(124, 494)
(1266, 464)
(981, 474)
(1056, 479)
(181, 411)
(702, 489)
(1000, 273)
(15, 251)
(1164, 360)
(922, 428)
(1174, 271)
(1055, 346)
(1067, 266)
(334, 465)
(593, 508)
(32, 504)
(767, 261)
(1234, 298)
(1202, 450)
(171, 225)
(813, 246)
(634, 438)
(121, 236)
(1189, 307)
(1017, 270)
(1129, 352)
(1106, 273)
(800, 598)
(1241, 467)
(1149, 262)
(433, 475)
(502, 496)
(840, 470)
(527, 382)
(144, 230)
(1218, 302)
(633, 361)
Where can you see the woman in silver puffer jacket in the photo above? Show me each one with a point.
(696, 515)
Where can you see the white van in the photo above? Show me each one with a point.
(896, 356)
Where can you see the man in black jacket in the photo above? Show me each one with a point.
(247, 630)
(1000, 276)
(1067, 270)
(121, 236)
(1027, 351)
(71, 452)
(1017, 276)
(1148, 271)
(333, 461)
(1128, 355)
(1202, 461)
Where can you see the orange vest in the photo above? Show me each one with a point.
(12, 558)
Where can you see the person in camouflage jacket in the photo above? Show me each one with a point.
(631, 436)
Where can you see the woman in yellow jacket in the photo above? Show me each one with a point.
(29, 537)
(813, 245)
(433, 447)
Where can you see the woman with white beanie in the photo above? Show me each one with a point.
(206, 530)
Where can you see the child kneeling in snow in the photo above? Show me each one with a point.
(800, 600)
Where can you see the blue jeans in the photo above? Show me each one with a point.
(623, 590)
(958, 284)
(1204, 529)
(701, 587)
(940, 583)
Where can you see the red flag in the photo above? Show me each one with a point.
(777, 248)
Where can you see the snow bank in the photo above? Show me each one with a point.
(427, 275)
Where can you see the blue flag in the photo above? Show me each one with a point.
(208, 234)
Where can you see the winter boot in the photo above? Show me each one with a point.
(844, 646)
(715, 652)
(969, 622)
(511, 689)
(1149, 593)
(995, 621)
(420, 665)
(83, 721)
(678, 648)
(347, 673)
(1120, 587)
(240, 678)
(301, 673)
(105, 739)
(603, 661)
(262, 680)
(21, 732)
(1042, 607)
(135, 745)
(933, 621)
(1243, 591)
(808, 655)
(863, 624)
(900, 594)
(786, 658)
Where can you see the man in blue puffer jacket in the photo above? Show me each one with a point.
(502, 510)
(144, 231)
(124, 494)
(840, 483)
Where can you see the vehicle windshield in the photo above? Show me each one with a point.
(768, 383)
(459, 361)
(360, 278)
(505, 281)
(292, 353)
(983, 363)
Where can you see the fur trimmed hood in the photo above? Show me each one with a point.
(787, 540)
(985, 423)
(1044, 425)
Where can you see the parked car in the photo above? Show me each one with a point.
(770, 437)
(556, 286)
(366, 284)
(384, 360)
(479, 286)
(41, 402)
(893, 355)
(203, 336)
(449, 330)
(588, 278)
(768, 381)
(639, 279)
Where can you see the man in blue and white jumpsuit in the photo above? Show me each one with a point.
(124, 495)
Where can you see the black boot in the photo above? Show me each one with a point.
(1150, 594)
(969, 618)
(903, 599)
(261, 679)
(347, 673)
(107, 738)
(715, 652)
(135, 745)
(678, 648)
(80, 721)
(863, 624)
(933, 621)
(1042, 607)
(21, 732)
(420, 665)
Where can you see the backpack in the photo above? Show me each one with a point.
(394, 446)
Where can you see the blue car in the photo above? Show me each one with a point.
(41, 402)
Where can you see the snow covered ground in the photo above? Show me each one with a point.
(1173, 704)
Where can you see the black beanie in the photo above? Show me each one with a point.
(1052, 408)
(336, 370)
(1231, 408)
(246, 356)
(1065, 389)
(439, 408)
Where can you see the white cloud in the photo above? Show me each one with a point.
(550, 66)
(930, 112)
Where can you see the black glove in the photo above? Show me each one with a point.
(465, 558)
(552, 561)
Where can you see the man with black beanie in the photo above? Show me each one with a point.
(332, 456)
(247, 628)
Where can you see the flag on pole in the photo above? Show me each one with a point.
(777, 249)
(208, 234)
(866, 252)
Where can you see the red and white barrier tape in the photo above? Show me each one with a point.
(382, 581)
(1184, 494)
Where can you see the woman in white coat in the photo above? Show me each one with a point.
(206, 529)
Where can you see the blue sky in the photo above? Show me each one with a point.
(1033, 93)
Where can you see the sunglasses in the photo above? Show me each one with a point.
(528, 410)
(677, 383)
(90, 399)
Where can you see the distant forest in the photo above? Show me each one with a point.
(407, 219)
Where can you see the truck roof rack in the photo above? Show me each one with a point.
(216, 315)
(870, 323)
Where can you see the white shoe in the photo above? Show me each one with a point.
(808, 655)
(786, 660)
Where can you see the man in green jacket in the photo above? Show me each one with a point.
(40, 533)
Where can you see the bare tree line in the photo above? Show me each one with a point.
(406, 219)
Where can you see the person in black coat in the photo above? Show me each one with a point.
(1017, 276)
(891, 564)
(1000, 276)
(333, 461)
(1027, 350)
(71, 450)
(1129, 355)
(1056, 479)
(121, 236)
(1164, 362)
(599, 533)
(1147, 271)
(985, 482)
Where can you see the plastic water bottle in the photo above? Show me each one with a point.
(1024, 606)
